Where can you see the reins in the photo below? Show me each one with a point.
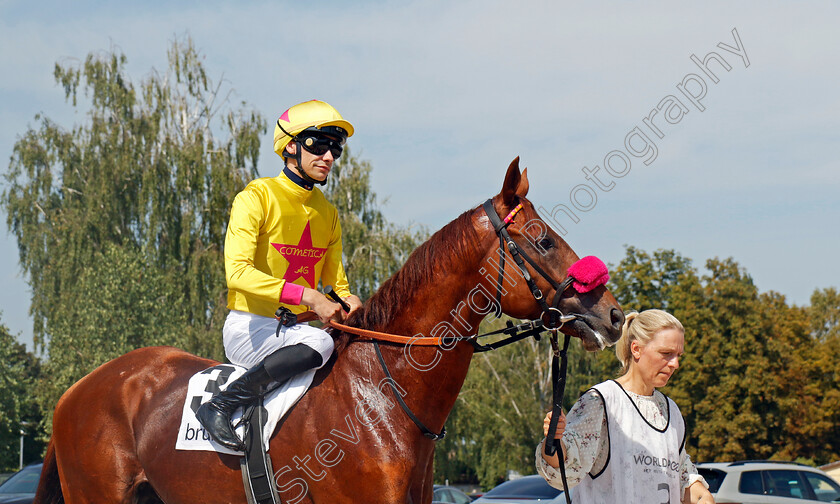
(515, 333)
(531, 328)
(390, 338)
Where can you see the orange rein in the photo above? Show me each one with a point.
(393, 338)
(309, 316)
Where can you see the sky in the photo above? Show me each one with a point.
(710, 128)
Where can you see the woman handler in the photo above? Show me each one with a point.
(624, 441)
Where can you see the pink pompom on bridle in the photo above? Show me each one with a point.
(588, 273)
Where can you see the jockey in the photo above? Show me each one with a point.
(283, 238)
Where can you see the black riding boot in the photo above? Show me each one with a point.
(279, 366)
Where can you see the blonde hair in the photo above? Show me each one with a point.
(642, 327)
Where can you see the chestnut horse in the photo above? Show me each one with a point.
(114, 431)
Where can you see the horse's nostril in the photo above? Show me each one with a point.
(617, 318)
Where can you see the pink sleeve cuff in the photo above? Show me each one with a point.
(291, 294)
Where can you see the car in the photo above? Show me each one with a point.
(768, 482)
(20, 487)
(449, 495)
(525, 490)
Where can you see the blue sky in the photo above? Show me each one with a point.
(445, 94)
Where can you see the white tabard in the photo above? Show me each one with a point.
(644, 462)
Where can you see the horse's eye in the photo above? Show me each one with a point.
(546, 243)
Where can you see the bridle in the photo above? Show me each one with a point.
(556, 318)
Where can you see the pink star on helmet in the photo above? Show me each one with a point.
(302, 258)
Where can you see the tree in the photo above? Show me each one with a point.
(825, 314)
(120, 221)
(743, 348)
(137, 305)
(824, 322)
(19, 371)
(643, 281)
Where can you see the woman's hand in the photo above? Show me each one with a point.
(699, 494)
(561, 425)
(554, 460)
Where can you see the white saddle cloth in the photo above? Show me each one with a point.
(202, 386)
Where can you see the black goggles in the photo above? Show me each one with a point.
(319, 145)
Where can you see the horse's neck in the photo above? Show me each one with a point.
(433, 376)
(441, 305)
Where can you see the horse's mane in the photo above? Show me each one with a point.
(453, 242)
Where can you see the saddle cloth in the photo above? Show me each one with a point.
(202, 386)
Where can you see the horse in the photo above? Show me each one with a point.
(114, 431)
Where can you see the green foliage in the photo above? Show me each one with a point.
(136, 305)
(825, 314)
(19, 370)
(120, 221)
(643, 281)
(373, 248)
(824, 380)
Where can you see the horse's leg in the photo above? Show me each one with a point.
(340, 460)
(421, 489)
(427, 489)
(95, 452)
(49, 485)
(179, 476)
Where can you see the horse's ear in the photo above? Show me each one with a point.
(516, 184)
(522, 188)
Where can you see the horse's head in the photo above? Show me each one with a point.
(593, 316)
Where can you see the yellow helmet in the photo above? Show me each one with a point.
(311, 115)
